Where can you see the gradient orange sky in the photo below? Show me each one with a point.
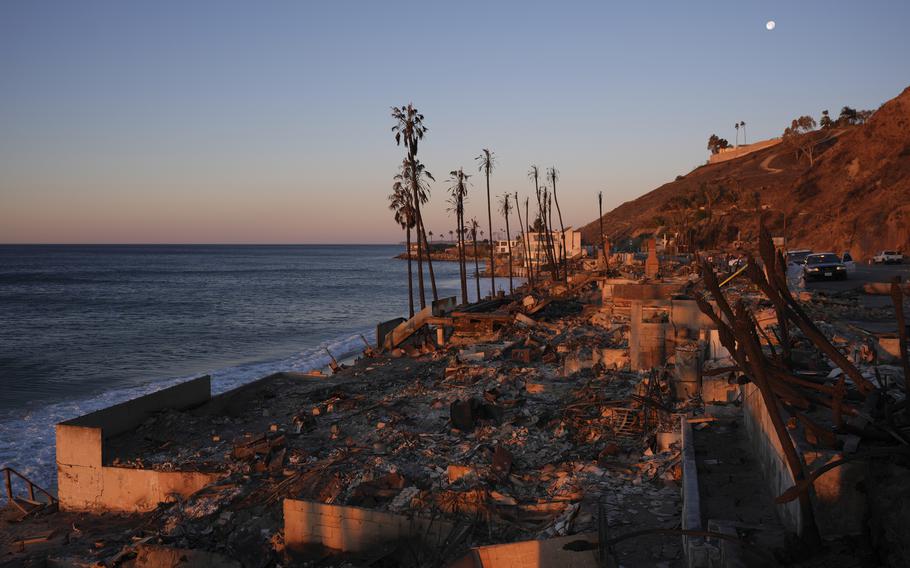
(224, 122)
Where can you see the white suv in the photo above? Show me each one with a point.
(888, 257)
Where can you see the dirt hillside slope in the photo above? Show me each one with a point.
(856, 195)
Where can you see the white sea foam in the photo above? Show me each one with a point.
(27, 440)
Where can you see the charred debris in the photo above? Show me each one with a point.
(558, 414)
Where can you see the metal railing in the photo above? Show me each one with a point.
(17, 502)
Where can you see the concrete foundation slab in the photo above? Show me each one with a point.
(354, 529)
(552, 552)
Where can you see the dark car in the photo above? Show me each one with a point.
(798, 256)
(824, 265)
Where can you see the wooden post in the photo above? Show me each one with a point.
(9, 485)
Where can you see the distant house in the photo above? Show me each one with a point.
(502, 247)
(570, 242)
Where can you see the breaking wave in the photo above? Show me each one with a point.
(27, 439)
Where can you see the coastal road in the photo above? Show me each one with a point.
(863, 273)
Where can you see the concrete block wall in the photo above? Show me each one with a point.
(84, 483)
(532, 554)
(839, 507)
(693, 546)
(354, 529)
(683, 314)
(742, 150)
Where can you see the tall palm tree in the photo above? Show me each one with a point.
(473, 229)
(459, 190)
(556, 251)
(410, 130)
(528, 237)
(452, 235)
(431, 236)
(525, 252)
(600, 207)
(487, 161)
(505, 207)
(400, 204)
(553, 174)
(549, 238)
(736, 125)
(534, 174)
(742, 124)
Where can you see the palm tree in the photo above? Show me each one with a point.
(534, 174)
(600, 207)
(431, 236)
(487, 160)
(528, 237)
(505, 207)
(736, 126)
(452, 235)
(410, 129)
(474, 226)
(400, 204)
(553, 174)
(742, 123)
(524, 240)
(459, 191)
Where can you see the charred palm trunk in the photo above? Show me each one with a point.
(422, 244)
(410, 274)
(562, 229)
(524, 249)
(548, 238)
(509, 240)
(535, 270)
(528, 235)
(476, 264)
(423, 298)
(490, 227)
(462, 268)
(603, 241)
(553, 245)
(423, 233)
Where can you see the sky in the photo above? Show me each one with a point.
(269, 121)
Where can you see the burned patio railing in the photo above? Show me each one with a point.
(29, 505)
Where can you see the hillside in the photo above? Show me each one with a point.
(856, 195)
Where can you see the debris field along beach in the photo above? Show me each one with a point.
(579, 412)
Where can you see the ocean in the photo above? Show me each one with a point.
(85, 327)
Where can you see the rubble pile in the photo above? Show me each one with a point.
(522, 418)
(520, 433)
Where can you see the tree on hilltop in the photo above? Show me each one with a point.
(798, 138)
(716, 144)
(825, 121)
(847, 116)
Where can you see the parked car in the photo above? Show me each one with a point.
(824, 265)
(797, 256)
(848, 261)
(888, 257)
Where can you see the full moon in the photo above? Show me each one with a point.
(770, 25)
